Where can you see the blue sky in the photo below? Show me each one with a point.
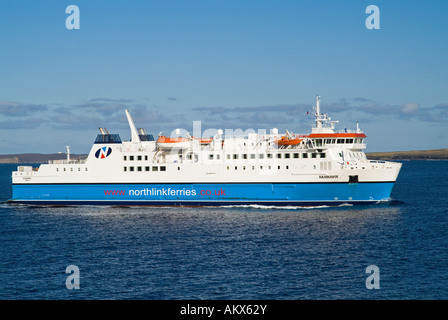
(231, 64)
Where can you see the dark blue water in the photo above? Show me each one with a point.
(232, 253)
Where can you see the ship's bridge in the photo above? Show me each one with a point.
(324, 135)
(352, 140)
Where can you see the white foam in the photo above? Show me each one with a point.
(259, 206)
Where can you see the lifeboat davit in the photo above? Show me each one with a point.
(173, 143)
(205, 140)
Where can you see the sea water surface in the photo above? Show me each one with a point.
(233, 252)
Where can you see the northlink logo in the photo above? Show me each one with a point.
(103, 152)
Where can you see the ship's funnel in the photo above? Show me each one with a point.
(134, 133)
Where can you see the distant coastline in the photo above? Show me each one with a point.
(436, 154)
(37, 157)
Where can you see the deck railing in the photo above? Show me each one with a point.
(64, 161)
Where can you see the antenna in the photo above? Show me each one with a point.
(318, 117)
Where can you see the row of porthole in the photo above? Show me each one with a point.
(242, 156)
(144, 168)
(71, 169)
(270, 156)
(261, 167)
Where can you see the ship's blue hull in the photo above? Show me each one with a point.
(188, 194)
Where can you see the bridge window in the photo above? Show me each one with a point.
(108, 138)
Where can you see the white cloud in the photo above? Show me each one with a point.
(409, 108)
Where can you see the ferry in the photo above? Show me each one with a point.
(324, 167)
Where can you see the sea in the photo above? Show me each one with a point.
(388, 251)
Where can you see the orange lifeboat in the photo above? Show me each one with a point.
(285, 141)
(205, 140)
(173, 143)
